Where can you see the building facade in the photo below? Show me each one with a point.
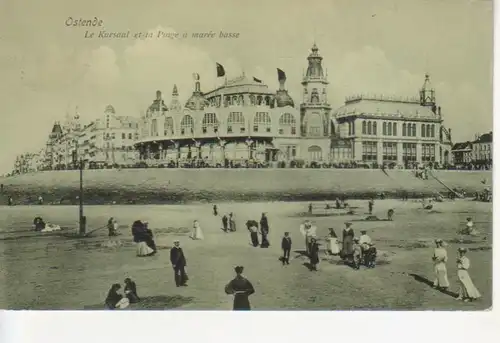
(392, 131)
(109, 140)
(462, 154)
(244, 120)
(482, 155)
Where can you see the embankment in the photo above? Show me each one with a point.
(159, 186)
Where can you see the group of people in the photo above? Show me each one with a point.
(253, 228)
(144, 238)
(40, 225)
(115, 300)
(467, 290)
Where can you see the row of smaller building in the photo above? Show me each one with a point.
(475, 154)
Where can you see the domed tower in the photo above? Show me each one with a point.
(109, 111)
(175, 104)
(283, 99)
(427, 94)
(197, 101)
(158, 105)
(315, 109)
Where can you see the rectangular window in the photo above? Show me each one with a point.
(428, 152)
(229, 129)
(123, 136)
(369, 151)
(390, 151)
(409, 152)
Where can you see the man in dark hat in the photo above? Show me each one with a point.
(241, 288)
(178, 261)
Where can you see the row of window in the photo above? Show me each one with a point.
(391, 129)
(390, 151)
(235, 120)
(113, 136)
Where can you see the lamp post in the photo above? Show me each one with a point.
(81, 218)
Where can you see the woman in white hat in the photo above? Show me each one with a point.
(440, 258)
(467, 289)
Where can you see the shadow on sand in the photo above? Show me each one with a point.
(431, 284)
(156, 302)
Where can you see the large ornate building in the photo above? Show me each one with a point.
(244, 120)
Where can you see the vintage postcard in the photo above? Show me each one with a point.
(262, 155)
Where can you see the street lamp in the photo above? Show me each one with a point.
(81, 218)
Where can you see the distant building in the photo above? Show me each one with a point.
(482, 156)
(462, 154)
(109, 140)
(389, 130)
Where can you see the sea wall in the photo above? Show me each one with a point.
(191, 185)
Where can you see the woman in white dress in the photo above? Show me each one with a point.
(467, 289)
(440, 258)
(197, 233)
(333, 242)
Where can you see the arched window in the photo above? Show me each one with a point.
(422, 130)
(241, 100)
(187, 125)
(268, 101)
(235, 122)
(168, 126)
(315, 153)
(414, 130)
(389, 129)
(252, 99)
(209, 120)
(369, 130)
(262, 120)
(375, 128)
(314, 96)
(259, 100)
(154, 128)
(394, 129)
(364, 127)
(384, 129)
(315, 125)
(428, 133)
(433, 129)
(404, 129)
(287, 124)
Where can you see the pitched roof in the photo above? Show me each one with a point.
(462, 146)
(485, 138)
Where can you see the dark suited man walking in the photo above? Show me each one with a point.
(178, 261)
(286, 245)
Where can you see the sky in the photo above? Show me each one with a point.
(48, 69)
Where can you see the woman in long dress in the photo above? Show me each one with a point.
(347, 242)
(333, 242)
(241, 288)
(314, 256)
(440, 258)
(253, 228)
(467, 289)
(197, 233)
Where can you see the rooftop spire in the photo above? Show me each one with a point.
(174, 91)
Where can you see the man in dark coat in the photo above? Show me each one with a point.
(241, 288)
(178, 261)
(286, 245)
(224, 223)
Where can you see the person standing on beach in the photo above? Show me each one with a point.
(347, 242)
(440, 258)
(216, 213)
(308, 231)
(178, 261)
(241, 288)
(371, 203)
(467, 291)
(264, 229)
(286, 245)
(232, 222)
(224, 223)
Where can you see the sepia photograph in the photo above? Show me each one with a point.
(222, 155)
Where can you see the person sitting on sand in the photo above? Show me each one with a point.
(470, 230)
(38, 223)
(114, 300)
(111, 227)
(390, 214)
(131, 291)
(427, 204)
(197, 232)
